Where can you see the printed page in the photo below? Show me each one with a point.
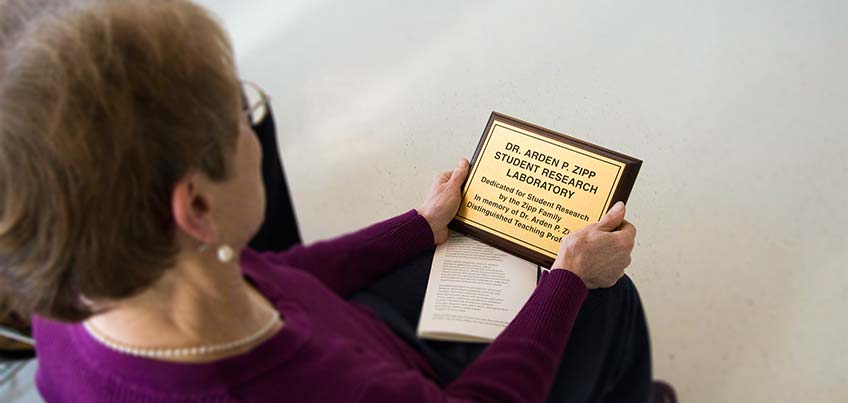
(474, 291)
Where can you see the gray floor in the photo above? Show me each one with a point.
(736, 107)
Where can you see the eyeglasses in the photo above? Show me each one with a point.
(256, 102)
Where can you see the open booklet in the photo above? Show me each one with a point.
(474, 291)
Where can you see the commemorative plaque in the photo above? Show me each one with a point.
(528, 187)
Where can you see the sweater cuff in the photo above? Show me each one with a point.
(552, 308)
(410, 232)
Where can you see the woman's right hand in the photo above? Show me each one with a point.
(599, 252)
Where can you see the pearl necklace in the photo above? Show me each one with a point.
(181, 351)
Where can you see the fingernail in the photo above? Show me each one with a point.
(618, 206)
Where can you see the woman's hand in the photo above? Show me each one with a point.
(442, 202)
(599, 252)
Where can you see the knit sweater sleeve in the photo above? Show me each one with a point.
(519, 366)
(352, 261)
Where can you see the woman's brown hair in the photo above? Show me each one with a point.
(104, 106)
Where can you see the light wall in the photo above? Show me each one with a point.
(738, 108)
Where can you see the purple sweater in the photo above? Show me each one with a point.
(329, 350)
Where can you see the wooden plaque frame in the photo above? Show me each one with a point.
(620, 193)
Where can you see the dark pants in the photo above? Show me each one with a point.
(607, 359)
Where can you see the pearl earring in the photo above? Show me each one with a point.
(225, 253)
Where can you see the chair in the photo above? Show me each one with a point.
(280, 219)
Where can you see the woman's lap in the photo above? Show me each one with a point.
(397, 298)
(607, 357)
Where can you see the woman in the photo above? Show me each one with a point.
(130, 184)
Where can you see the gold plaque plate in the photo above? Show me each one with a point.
(528, 187)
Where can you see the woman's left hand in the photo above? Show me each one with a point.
(442, 202)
